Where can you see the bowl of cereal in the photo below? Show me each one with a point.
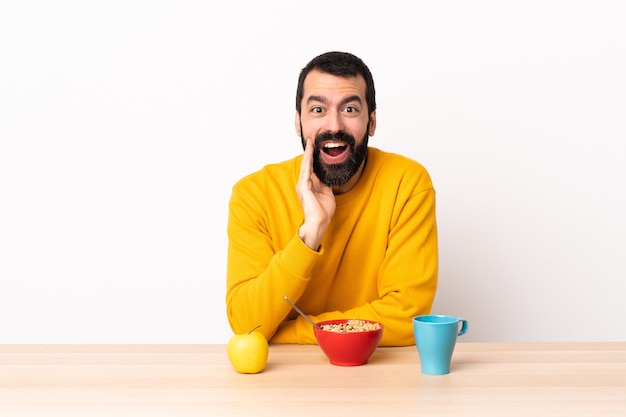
(348, 342)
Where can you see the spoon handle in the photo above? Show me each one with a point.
(301, 312)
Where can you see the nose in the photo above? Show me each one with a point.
(334, 123)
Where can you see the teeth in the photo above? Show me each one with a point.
(333, 145)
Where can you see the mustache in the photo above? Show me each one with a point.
(337, 136)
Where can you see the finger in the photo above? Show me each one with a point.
(307, 161)
(316, 184)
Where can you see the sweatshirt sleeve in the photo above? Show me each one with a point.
(407, 281)
(258, 274)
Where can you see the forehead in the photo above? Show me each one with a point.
(330, 86)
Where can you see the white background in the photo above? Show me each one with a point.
(124, 124)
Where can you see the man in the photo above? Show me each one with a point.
(344, 231)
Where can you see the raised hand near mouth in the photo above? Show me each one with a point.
(317, 200)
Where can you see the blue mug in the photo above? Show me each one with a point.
(435, 338)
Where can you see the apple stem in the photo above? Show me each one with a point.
(254, 329)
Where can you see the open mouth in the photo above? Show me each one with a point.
(334, 152)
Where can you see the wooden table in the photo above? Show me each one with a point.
(487, 379)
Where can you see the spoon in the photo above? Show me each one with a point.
(301, 313)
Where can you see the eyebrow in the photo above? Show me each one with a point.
(346, 100)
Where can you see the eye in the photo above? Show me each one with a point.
(351, 109)
(316, 109)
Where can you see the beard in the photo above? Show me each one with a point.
(338, 174)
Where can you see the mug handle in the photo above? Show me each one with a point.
(463, 327)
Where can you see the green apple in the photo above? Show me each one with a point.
(248, 352)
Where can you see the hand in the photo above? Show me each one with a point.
(317, 200)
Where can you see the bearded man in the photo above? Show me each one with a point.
(345, 230)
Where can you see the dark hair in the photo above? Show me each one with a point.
(342, 64)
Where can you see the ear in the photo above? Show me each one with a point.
(297, 124)
(372, 127)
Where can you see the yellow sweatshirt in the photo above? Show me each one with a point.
(378, 259)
